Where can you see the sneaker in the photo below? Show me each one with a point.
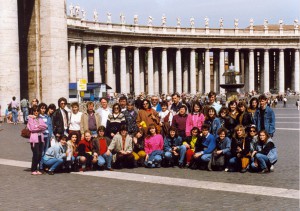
(272, 168)
(244, 170)
(34, 173)
(264, 171)
(226, 169)
(51, 172)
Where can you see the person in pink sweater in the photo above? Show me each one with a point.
(194, 119)
(154, 144)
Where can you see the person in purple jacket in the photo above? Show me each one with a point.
(179, 121)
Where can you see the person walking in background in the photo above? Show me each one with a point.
(298, 104)
(14, 109)
(24, 108)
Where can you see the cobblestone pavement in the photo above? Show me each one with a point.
(21, 191)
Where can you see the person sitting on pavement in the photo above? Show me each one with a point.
(56, 155)
(204, 147)
(138, 147)
(100, 145)
(195, 118)
(252, 134)
(240, 150)
(121, 148)
(173, 148)
(213, 121)
(85, 152)
(154, 144)
(189, 142)
(72, 151)
(265, 155)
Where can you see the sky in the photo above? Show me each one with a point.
(272, 10)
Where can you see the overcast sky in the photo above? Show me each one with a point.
(273, 10)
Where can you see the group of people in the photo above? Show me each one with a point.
(153, 133)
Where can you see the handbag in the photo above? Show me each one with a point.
(25, 132)
(217, 161)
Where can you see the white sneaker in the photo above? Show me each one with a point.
(226, 169)
(272, 168)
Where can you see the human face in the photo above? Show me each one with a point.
(239, 132)
(204, 132)
(164, 108)
(103, 103)
(36, 113)
(145, 105)
(152, 131)
(222, 136)
(212, 99)
(62, 104)
(63, 141)
(154, 101)
(196, 108)
(194, 133)
(123, 133)
(130, 107)
(254, 104)
(74, 138)
(90, 108)
(139, 135)
(42, 110)
(122, 103)
(172, 133)
(101, 133)
(233, 107)
(263, 102)
(87, 136)
(34, 102)
(175, 99)
(242, 108)
(252, 132)
(263, 137)
(50, 111)
(116, 110)
(182, 111)
(223, 114)
(75, 109)
(211, 113)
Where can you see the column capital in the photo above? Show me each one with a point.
(296, 50)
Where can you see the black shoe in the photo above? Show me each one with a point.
(243, 171)
(264, 171)
(180, 165)
(51, 172)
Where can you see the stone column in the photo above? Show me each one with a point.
(123, 81)
(171, 73)
(54, 51)
(84, 63)
(266, 71)
(142, 71)
(251, 70)
(297, 70)
(216, 70)
(150, 72)
(200, 71)
(222, 69)
(193, 80)
(164, 71)
(72, 70)
(178, 71)
(281, 72)
(110, 70)
(9, 53)
(237, 64)
(136, 70)
(207, 72)
(97, 70)
(185, 73)
(128, 76)
(78, 62)
(156, 71)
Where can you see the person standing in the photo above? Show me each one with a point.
(24, 108)
(176, 103)
(264, 117)
(90, 120)
(298, 104)
(75, 120)
(14, 109)
(60, 118)
(104, 111)
(155, 103)
(284, 101)
(211, 103)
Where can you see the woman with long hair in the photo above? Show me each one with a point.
(115, 120)
(195, 118)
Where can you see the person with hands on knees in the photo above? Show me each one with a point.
(189, 143)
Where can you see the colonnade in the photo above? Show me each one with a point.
(167, 70)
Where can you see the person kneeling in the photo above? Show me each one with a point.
(55, 156)
(121, 148)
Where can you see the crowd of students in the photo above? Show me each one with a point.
(152, 133)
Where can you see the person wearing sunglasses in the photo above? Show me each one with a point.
(60, 118)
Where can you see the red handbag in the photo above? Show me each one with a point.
(25, 133)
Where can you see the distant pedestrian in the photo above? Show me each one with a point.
(24, 108)
(298, 104)
(284, 102)
(14, 109)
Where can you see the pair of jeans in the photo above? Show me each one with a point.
(46, 146)
(182, 152)
(263, 162)
(37, 149)
(25, 114)
(105, 159)
(14, 115)
(53, 163)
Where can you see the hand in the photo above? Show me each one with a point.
(253, 153)
(219, 152)
(197, 155)
(147, 157)
(187, 146)
(112, 134)
(108, 153)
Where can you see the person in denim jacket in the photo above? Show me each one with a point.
(173, 147)
(264, 117)
(213, 121)
(265, 154)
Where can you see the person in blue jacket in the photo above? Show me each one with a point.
(264, 117)
(173, 147)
